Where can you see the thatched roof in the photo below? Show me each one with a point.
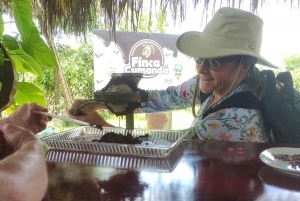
(80, 16)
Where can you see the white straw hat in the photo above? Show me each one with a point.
(230, 32)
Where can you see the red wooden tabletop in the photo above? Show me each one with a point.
(207, 170)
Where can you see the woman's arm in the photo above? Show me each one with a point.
(173, 98)
(89, 113)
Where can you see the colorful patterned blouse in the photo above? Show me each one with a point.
(232, 124)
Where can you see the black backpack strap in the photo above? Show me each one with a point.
(282, 117)
(287, 80)
(240, 100)
(271, 81)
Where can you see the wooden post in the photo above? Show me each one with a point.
(159, 121)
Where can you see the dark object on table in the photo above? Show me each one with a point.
(97, 126)
(120, 81)
(121, 85)
(8, 81)
(134, 187)
(112, 137)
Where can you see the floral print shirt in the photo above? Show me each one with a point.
(230, 124)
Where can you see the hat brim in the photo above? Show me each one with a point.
(191, 44)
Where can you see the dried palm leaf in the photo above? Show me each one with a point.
(80, 16)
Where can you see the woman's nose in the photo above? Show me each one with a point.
(201, 68)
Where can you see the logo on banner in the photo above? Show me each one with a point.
(147, 57)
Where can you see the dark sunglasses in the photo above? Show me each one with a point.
(214, 64)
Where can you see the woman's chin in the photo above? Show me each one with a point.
(206, 91)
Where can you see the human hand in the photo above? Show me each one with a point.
(23, 166)
(89, 113)
(91, 106)
(24, 117)
(14, 138)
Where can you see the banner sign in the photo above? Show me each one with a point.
(153, 55)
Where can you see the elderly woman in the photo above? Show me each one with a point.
(225, 54)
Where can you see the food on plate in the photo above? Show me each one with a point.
(294, 160)
(121, 84)
(112, 137)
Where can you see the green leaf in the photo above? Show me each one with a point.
(23, 17)
(1, 57)
(1, 25)
(29, 93)
(37, 48)
(25, 63)
(12, 108)
(10, 42)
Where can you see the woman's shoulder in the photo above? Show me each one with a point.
(241, 99)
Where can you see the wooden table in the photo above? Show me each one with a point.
(208, 170)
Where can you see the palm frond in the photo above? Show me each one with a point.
(78, 17)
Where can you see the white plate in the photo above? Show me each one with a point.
(289, 172)
(75, 121)
(283, 166)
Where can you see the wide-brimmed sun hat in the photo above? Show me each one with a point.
(231, 31)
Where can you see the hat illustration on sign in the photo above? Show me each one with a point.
(231, 31)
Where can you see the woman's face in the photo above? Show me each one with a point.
(219, 81)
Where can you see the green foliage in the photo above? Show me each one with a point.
(1, 26)
(162, 23)
(141, 117)
(296, 78)
(107, 115)
(10, 42)
(78, 67)
(1, 57)
(292, 64)
(37, 48)
(157, 25)
(27, 93)
(23, 16)
(28, 52)
(25, 63)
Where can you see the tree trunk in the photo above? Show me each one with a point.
(56, 90)
(61, 77)
(47, 32)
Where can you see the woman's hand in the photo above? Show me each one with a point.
(90, 107)
(89, 113)
(24, 118)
